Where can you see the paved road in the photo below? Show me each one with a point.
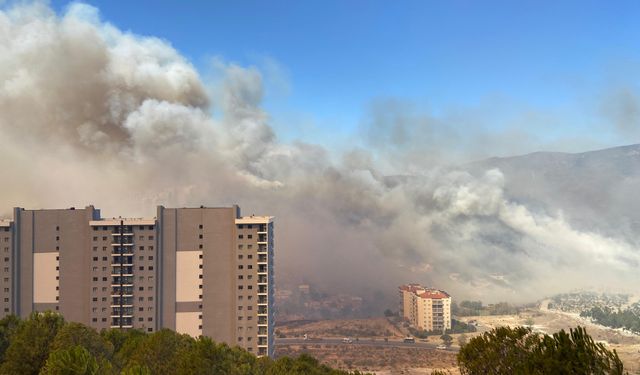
(367, 342)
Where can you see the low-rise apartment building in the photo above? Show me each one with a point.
(425, 308)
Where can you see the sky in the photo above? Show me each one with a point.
(204, 104)
(326, 62)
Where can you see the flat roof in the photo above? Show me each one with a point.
(5, 223)
(253, 219)
(125, 221)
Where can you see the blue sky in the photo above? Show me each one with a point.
(504, 58)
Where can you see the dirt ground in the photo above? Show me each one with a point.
(377, 360)
(362, 328)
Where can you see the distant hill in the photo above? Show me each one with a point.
(596, 190)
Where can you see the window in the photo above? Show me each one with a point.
(57, 238)
(150, 268)
(140, 308)
(240, 236)
(249, 256)
(240, 287)
(240, 277)
(95, 259)
(57, 228)
(249, 236)
(239, 247)
(149, 319)
(151, 237)
(95, 248)
(250, 266)
(104, 238)
(149, 329)
(200, 246)
(151, 257)
(95, 279)
(240, 256)
(141, 248)
(200, 236)
(200, 226)
(249, 246)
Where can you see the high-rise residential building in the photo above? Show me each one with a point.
(425, 308)
(200, 271)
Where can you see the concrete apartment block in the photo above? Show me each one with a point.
(200, 271)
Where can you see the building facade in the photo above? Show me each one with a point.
(200, 271)
(425, 308)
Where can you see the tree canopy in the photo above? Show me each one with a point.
(45, 344)
(519, 350)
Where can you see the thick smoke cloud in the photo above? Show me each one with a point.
(93, 115)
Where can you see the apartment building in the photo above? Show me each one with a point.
(201, 271)
(425, 308)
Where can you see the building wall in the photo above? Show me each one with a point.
(6, 259)
(200, 271)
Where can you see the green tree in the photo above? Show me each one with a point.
(8, 327)
(76, 334)
(159, 351)
(75, 360)
(30, 345)
(506, 350)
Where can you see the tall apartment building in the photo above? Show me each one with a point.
(426, 309)
(200, 271)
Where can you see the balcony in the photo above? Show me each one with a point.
(124, 301)
(262, 268)
(126, 291)
(125, 270)
(125, 260)
(262, 310)
(126, 311)
(125, 280)
(262, 237)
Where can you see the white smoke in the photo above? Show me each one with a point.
(93, 115)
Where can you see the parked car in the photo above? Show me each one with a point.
(347, 340)
(441, 347)
(409, 339)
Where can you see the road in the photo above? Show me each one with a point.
(367, 342)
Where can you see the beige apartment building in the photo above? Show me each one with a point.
(425, 308)
(200, 271)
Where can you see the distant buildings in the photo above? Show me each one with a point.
(426, 309)
(199, 271)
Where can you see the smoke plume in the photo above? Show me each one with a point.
(90, 114)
